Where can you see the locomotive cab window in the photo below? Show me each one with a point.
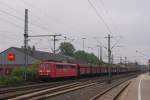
(43, 65)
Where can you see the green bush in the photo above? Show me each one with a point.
(7, 80)
(17, 75)
(19, 72)
(32, 73)
(2, 79)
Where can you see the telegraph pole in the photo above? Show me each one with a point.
(54, 36)
(149, 66)
(26, 41)
(109, 58)
(54, 42)
(112, 58)
(120, 60)
(100, 54)
(125, 61)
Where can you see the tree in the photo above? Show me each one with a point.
(81, 55)
(88, 57)
(93, 59)
(67, 48)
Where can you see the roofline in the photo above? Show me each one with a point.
(18, 51)
(59, 63)
(6, 50)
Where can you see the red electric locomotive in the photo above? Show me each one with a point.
(57, 69)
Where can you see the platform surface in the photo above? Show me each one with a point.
(139, 89)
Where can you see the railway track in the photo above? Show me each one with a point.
(40, 84)
(48, 93)
(44, 94)
(7, 93)
(47, 90)
(87, 94)
(20, 85)
(112, 92)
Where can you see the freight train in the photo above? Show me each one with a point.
(53, 70)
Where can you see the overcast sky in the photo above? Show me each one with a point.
(128, 20)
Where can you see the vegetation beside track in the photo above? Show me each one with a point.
(17, 76)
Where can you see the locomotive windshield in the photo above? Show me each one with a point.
(44, 65)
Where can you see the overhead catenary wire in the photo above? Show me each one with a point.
(10, 32)
(12, 23)
(37, 18)
(11, 8)
(116, 43)
(106, 25)
(22, 19)
(34, 19)
(100, 17)
(106, 11)
(43, 12)
(59, 21)
(12, 15)
(16, 16)
(14, 38)
(19, 18)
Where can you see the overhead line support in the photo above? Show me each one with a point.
(54, 37)
(109, 58)
(26, 42)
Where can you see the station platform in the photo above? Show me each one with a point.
(139, 89)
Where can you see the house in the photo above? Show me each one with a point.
(15, 57)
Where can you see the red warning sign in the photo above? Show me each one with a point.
(11, 57)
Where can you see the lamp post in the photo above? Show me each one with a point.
(83, 45)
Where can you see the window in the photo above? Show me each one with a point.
(69, 66)
(59, 66)
(44, 65)
(65, 66)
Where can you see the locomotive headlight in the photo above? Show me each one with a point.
(48, 71)
(40, 71)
